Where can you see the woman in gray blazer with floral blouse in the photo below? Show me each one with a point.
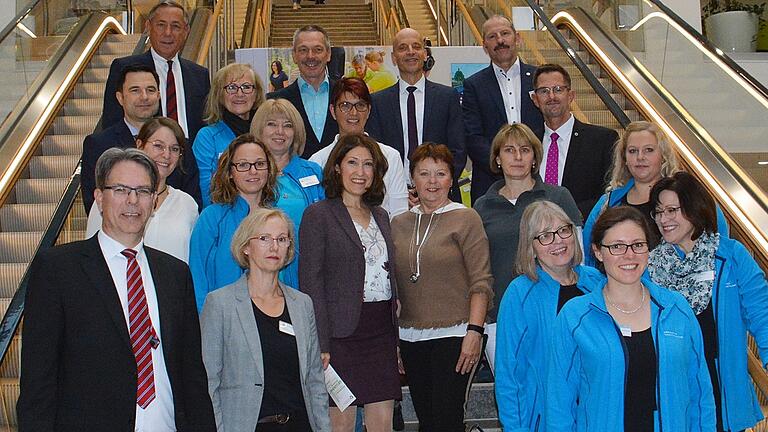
(260, 344)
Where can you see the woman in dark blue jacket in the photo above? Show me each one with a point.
(548, 258)
(628, 356)
(724, 286)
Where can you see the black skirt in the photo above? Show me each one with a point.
(367, 359)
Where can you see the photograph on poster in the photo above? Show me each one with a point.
(462, 71)
(367, 63)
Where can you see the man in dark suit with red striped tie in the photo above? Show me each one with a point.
(111, 332)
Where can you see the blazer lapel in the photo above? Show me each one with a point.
(492, 85)
(248, 323)
(300, 325)
(574, 147)
(294, 96)
(345, 220)
(166, 302)
(397, 122)
(95, 268)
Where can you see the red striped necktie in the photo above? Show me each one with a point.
(143, 335)
(170, 94)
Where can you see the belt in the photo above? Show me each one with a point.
(277, 418)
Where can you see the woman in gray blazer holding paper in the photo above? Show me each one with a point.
(260, 344)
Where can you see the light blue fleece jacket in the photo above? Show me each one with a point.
(587, 363)
(210, 143)
(525, 321)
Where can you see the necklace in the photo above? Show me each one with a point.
(164, 190)
(417, 242)
(629, 312)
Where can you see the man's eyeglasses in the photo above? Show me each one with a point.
(545, 91)
(346, 107)
(621, 248)
(122, 191)
(246, 166)
(547, 237)
(670, 212)
(245, 88)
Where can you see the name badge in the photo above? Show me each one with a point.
(286, 328)
(626, 331)
(705, 276)
(309, 181)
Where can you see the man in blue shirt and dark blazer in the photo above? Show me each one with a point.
(311, 92)
(436, 108)
(509, 82)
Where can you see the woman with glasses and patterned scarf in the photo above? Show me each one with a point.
(236, 93)
(244, 180)
(723, 284)
(627, 356)
(548, 260)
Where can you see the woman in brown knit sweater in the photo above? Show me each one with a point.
(443, 273)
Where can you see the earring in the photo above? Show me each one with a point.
(245, 252)
(498, 165)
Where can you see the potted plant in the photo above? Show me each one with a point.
(732, 25)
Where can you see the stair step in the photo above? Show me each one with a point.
(40, 190)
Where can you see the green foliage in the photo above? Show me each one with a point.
(716, 6)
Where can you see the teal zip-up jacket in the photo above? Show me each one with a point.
(525, 321)
(740, 304)
(613, 198)
(210, 143)
(587, 363)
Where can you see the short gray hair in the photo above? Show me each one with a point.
(168, 3)
(250, 227)
(115, 155)
(535, 217)
(312, 28)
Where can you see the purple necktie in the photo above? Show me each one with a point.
(413, 133)
(553, 154)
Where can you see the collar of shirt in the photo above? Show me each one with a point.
(112, 248)
(305, 87)
(420, 84)
(158, 59)
(134, 130)
(563, 132)
(514, 70)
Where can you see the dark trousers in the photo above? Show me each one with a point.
(437, 391)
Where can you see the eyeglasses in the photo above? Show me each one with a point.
(122, 191)
(161, 147)
(346, 107)
(621, 248)
(545, 91)
(547, 237)
(245, 88)
(246, 166)
(670, 212)
(266, 240)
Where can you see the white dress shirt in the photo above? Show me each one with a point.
(418, 94)
(563, 142)
(509, 84)
(161, 66)
(396, 194)
(159, 415)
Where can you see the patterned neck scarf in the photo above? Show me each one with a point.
(693, 275)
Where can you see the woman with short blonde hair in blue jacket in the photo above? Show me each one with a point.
(548, 258)
(724, 286)
(629, 355)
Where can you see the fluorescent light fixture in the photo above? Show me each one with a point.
(26, 30)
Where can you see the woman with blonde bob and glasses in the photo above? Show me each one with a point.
(627, 356)
(723, 284)
(170, 227)
(548, 259)
(244, 181)
(258, 318)
(236, 92)
(516, 155)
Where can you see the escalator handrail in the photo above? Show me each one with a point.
(714, 50)
(11, 26)
(602, 93)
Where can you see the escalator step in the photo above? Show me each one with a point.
(18, 247)
(26, 217)
(70, 125)
(53, 166)
(10, 276)
(46, 190)
(12, 362)
(54, 145)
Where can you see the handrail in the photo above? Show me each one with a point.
(205, 47)
(9, 28)
(24, 126)
(712, 48)
(602, 93)
(470, 22)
